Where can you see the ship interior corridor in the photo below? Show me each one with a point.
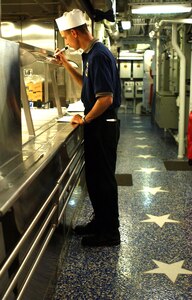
(154, 259)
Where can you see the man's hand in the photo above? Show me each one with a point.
(60, 57)
(77, 119)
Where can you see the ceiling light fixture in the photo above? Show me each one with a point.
(160, 9)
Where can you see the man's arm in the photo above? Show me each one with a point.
(101, 105)
(62, 61)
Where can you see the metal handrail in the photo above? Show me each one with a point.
(69, 164)
(36, 262)
(69, 180)
(27, 233)
(30, 252)
(67, 199)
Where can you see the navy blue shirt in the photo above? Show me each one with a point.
(100, 76)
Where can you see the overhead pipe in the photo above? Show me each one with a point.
(176, 21)
(182, 79)
(97, 15)
(87, 6)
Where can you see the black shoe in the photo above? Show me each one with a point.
(99, 240)
(88, 229)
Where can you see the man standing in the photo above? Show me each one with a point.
(101, 97)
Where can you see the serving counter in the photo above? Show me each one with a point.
(35, 188)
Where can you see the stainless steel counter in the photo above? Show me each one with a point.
(35, 187)
(18, 173)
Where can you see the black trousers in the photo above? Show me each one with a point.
(100, 144)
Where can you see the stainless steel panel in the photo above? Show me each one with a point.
(125, 69)
(39, 34)
(36, 33)
(11, 30)
(10, 106)
(137, 69)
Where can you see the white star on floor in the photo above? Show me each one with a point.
(140, 138)
(142, 146)
(153, 191)
(148, 170)
(171, 270)
(159, 220)
(145, 156)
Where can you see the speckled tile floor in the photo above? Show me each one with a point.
(154, 260)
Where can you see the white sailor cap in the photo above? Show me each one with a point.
(70, 20)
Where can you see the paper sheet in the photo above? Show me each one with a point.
(65, 119)
(76, 106)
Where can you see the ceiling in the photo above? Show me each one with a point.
(48, 10)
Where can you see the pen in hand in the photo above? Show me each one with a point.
(53, 58)
(62, 50)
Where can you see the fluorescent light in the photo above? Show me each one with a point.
(161, 9)
(126, 25)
